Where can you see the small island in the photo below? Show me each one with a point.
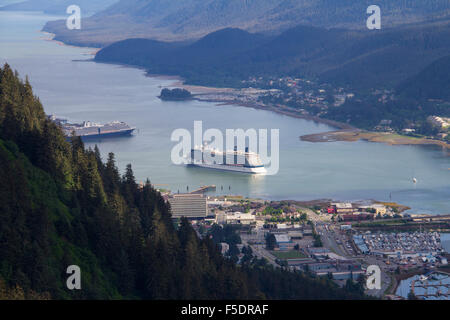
(176, 94)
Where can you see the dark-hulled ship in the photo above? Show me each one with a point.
(92, 130)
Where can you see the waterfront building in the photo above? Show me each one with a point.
(377, 208)
(188, 205)
(240, 218)
(343, 207)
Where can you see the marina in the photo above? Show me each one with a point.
(401, 244)
(433, 286)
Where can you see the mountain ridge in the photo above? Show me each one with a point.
(345, 57)
(58, 7)
(169, 20)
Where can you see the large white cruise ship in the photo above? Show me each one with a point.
(233, 160)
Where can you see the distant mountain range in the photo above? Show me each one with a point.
(359, 59)
(58, 7)
(172, 20)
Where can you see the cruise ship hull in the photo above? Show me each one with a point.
(105, 135)
(241, 169)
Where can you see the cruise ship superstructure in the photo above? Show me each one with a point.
(231, 160)
(89, 129)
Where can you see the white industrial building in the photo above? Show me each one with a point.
(188, 205)
(240, 218)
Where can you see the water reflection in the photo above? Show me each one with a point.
(102, 93)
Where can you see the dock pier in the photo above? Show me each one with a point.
(204, 189)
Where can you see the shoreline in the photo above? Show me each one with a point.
(48, 36)
(203, 90)
(177, 80)
(283, 110)
(345, 131)
(392, 139)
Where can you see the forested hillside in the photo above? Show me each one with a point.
(61, 205)
(191, 19)
(359, 59)
(431, 83)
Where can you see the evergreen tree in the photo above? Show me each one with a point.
(60, 205)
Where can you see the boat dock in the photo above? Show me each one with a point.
(204, 189)
(430, 288)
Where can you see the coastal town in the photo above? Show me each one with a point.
(208, 159)
(326, 238)
(337, 240)
(305, 98)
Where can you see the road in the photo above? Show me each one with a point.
(260, 252)
(259, 249)
(385, 277)
(329, 236)
(329, 240)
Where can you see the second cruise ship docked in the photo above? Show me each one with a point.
(236, 161)
(91, 130)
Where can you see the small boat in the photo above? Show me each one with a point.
(414, 180)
